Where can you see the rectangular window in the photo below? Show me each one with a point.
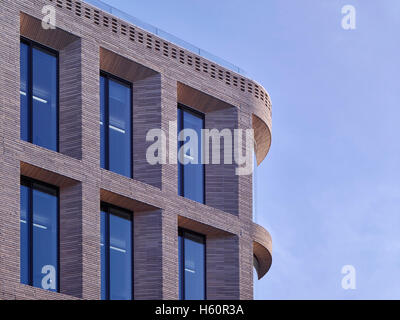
(116, 253)
(39, 95)
(116, 125)
(39, 243)
(191, 171)
(192, 266)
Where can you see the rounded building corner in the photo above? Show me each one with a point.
(262, 250)
(262, 123)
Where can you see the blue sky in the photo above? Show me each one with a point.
(329, 190)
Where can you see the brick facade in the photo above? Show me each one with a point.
(163, 75)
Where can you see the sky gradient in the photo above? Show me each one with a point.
(329, 190)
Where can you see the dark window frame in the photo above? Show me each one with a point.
(201, 115)
(105, 207)
(30, 183)
(108, 76)
(33, 44)
(182, 233)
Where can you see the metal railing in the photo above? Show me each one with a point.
(165, 35)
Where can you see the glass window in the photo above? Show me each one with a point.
(116, 253)
(103, 122)
(191, 175)
(115, 125)
(24, 74)
(192, 283)
(24, 235)
(39, 95)
(39, 234)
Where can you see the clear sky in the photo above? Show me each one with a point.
(329, 190)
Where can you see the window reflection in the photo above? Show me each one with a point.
(24, 66)
(115, 125)
(191, 175)
(39, 234)
(39, 95)
(116, 253)
(191, 248)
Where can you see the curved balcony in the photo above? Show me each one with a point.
(262, 250)
(261, 108)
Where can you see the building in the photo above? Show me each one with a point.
(83, 214)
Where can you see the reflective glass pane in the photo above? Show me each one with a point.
(193, 174)
(24, 74)
(24, 236)
(102, 122)
(180, 266)
(120, 258)
(45, 238)
(194, 268)
(44, 99)
(191, 248)
(180, 177)
(116, 254)
(103, 217)
(119, 128)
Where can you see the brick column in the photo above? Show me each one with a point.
(71, 240)
(9, 224)
(9, 133)
(91, 267)
(221, 179)
(246, 217)
(169, 113)
(146, 116)
(90, 82)
(170, 268)
(222, 254)
(147, 250)
(70, 116)
(9, 75)
(155, 255)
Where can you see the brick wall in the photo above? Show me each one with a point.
(226, 217)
